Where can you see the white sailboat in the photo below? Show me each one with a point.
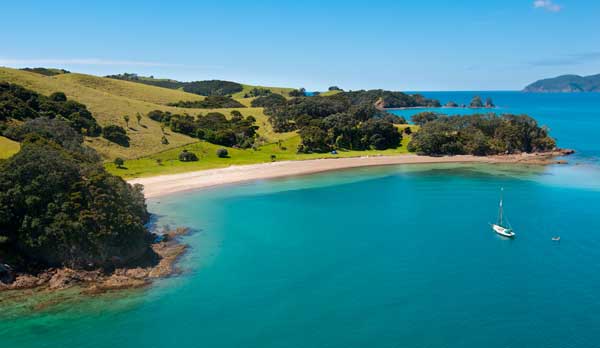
(499, 227)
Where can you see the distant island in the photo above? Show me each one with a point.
(566, 84)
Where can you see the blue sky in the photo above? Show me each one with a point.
(399, 45)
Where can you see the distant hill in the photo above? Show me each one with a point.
(566, 84)
(203, 88)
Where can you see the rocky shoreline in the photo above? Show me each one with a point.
(169, 249)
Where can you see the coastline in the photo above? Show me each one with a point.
(163, 185)
(93, 282)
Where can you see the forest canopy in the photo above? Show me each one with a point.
(346, 120)
(19, 103)
(214, 127)
(59, 207)
(210, 102)
(206, 88)
(481, 135)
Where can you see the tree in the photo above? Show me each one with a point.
(424, 117)
(138, 116)
(116, 134)
(334, 88)
(297, 92)
(58, 97)
(126, 119)
(58, 208)
(408, 130)
(119, 162)
(273, 158)
(269, 100)
(222, 153)
(186, 156)
(476, 102)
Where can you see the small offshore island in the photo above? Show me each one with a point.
(69, 219)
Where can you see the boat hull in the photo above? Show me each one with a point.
(503, 231)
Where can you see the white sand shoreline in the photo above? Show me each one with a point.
(162, 185)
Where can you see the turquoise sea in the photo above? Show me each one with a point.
(398, 256)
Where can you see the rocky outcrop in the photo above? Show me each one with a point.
(169, 249)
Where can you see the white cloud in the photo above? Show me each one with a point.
(84, 61)
(547, 5)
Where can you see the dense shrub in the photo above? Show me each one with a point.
(258, 92)
(269, 100)
(222, 153)
(213, 127)
(210, 102)
(59, 208)
(116, 134)
(187, 156)
(212, 87)
(46, 71)
(19, 103)
(423, 117)
(297, 92)
(341, 121)
(481, 135)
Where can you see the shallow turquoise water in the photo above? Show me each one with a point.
(399, 256)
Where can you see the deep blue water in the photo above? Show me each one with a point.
(400, 256)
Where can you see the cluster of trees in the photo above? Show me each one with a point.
(334, 88)
(210, 102)
(212, 87)
(59, 207)
(258, 92)
(150, 80)
(341, 121)
(480, 135)
(116, 134)
(301, 92)
(269, 100)
(390, 99)
(47, 71)
(21, 104)
(206, 88)
(423, 117)
(214, 127)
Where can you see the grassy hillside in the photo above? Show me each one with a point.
(110, 99)
(167, 162)
(247, 88)
(8, 147)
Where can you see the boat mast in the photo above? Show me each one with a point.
(500, 208)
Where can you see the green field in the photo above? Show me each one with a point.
(8, 147)
(110, 99)
(167, 162)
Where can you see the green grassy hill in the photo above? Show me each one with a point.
(110, 99)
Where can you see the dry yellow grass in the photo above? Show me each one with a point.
(110, 99)
(8, 147)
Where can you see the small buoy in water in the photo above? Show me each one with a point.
(556, 239)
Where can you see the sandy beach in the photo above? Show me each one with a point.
(168, 184)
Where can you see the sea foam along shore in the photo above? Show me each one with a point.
(168, 184)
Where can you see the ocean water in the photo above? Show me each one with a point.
(398, 256)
